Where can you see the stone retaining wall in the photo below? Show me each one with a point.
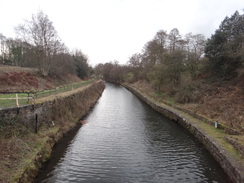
(57, 111)
(233, 168)
(33, 116)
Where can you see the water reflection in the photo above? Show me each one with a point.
(126, 141)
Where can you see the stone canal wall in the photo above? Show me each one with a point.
(75, 104)
(59, 112)
(231, 165)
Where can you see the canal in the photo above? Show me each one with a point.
(124, 140)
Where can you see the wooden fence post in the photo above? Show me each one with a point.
(33, 99)
(17, 100)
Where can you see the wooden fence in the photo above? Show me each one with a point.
(13, 99)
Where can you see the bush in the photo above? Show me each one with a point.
(191, 92)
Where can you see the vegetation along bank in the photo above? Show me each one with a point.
(201, 78)
(24, 148)
(214, 139)
(196, 76)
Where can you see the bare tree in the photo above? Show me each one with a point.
(161, 38)
(151, 53)
(15, 51)
(63, 63)
(40, 33)
(195, 49)
(135, 60)
(2, 47)
(174, 38)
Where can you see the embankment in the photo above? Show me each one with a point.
(47, 121)
(213, 139)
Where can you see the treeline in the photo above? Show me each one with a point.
(163, 60)
(38, 45)
(179, 61)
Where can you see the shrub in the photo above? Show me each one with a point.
(191, 92)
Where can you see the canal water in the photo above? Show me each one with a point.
(125, 141)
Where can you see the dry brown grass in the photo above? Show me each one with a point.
(18, 145)
(143, 86)
(222, 103)
(21, 79)
(6, 69)
(16, 151)
(12, 147)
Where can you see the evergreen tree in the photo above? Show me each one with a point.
(82, 67)
(225, 46)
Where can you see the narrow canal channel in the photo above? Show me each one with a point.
(124, 140)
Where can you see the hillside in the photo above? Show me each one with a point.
(222, 102)
(13, 78)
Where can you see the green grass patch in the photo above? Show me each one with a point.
(218, 135)
(9, 100)
(171, 100)
(211, 131)
(33, 147)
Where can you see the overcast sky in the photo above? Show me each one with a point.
(108, 30)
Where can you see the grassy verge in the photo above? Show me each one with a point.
(5, 103)
(45, 93)
(22, 151)
(216, 134)
(227, 154)
(10, 100)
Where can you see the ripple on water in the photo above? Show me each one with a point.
(126, 141)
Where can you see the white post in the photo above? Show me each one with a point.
(17, 101)
(216, 124)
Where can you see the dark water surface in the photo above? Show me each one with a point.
(126, 141)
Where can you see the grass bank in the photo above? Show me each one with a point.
(22, 152)
(228, 155)
(8, 99)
